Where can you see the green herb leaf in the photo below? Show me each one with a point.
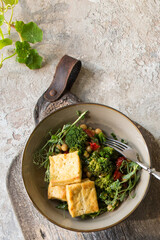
(93, 215)
(34, 61)
(66, 127)
(28, 56)
(54, 139)
(32, 33)
(122, 197)
(19, 26)
(47, 173)
(76, 137)
(114, 136)
(115, 185)
(102, 137)
(78, 113)
(62, 205)
(11, 2)
(123, 141)
(1, 20)
(23, 51)
(103, 195)
(5, 42)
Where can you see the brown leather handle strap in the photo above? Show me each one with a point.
(66, 73)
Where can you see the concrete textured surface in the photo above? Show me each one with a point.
(118, 43)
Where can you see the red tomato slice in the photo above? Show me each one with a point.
(89, 133)
(117, 175)
(94, 146)
(119, 161)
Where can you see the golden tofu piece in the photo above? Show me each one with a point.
(65, 169)
(82, 198)
(57, 192)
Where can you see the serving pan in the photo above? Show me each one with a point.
(105, 117)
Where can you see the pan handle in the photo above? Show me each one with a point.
(58, 95)
(66, 73)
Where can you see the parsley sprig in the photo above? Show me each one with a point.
(28, 33)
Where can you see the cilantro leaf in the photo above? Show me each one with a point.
(32, 33)
(1, 20)
(19, 26)
(34, 61)
(5, 42)
(11, 2)
(23, 51)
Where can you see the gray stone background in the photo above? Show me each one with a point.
(118, 43)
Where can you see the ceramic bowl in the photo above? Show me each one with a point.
(109, 120)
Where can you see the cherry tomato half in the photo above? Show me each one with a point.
(119, 161)
(94, 146)
(117, 175)
(89, 133)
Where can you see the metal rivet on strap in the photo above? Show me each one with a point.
(52, 92)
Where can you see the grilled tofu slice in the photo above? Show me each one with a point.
(65, 169)
(57, 192)
(82, 198)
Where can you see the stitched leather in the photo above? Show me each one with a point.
(66, 73)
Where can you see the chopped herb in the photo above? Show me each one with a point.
(78, 113)
(123, 141)
(62, 205)
(114, 136)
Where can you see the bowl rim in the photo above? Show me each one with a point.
(69, 228)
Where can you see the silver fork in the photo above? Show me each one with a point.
(131, 154)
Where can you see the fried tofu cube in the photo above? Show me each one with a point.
(65, 169)
(57, 192)
(82, 198)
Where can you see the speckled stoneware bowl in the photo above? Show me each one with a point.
(109, 120)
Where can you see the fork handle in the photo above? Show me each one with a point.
(152, 171)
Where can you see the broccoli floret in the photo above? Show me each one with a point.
(109, 150)
(102, 137)
(100, 165)
(104, 182)
(76, 138)
(95, 168)
(109, 153)
(109, 191)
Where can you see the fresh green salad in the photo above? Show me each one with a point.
(115, 176)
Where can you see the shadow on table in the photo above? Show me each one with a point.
(150, 206)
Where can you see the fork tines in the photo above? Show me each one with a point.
(116, 144)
